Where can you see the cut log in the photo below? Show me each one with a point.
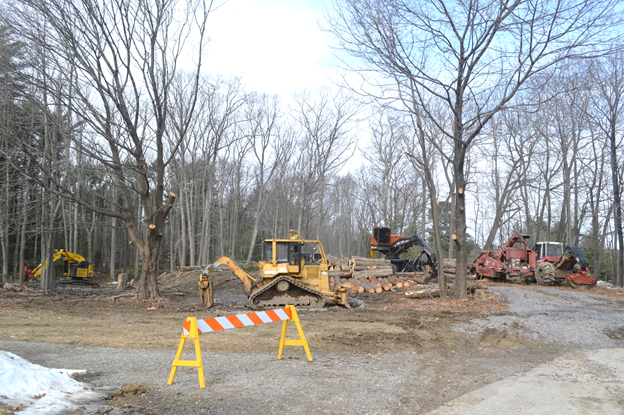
(357, 284)
(412, 274)
(423, 293)
(373, 272)
(372, 267)
(356, 261)
(117, 297)
(338, 274)
(369, 288)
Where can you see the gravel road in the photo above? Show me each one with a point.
(563, 322)
(558, 316)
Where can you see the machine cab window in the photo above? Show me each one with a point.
(267, 251)
(311, 254)
(285, 253)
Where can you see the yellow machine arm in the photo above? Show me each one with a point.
(245, 278)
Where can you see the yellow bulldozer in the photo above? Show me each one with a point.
(77, 269)
(292, 271)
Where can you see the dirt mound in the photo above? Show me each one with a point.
(228, 289)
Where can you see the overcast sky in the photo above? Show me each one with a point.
(275, 46)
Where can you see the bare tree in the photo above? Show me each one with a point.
(271, 147)
(325, 118)
(607, 77)
(14, 124)
(471, 57)
(122, 57)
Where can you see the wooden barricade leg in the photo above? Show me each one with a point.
(193, 334)
(302, 342)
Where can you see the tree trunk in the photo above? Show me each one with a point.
(20, 267)
(113, 248)
(617, 202)
(259, 209)
(4, 227)
(460, 285)
(148, 284)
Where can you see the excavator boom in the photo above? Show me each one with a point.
(245, 278)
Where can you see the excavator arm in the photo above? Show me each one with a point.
(58, 254)
(402, 245)
(245, 278)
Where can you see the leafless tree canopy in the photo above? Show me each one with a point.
(461, 121)
(470, 59)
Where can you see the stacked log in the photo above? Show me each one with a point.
(450, 269)
(336, 263)
(375, 275)
(450, 266)
(370, 267)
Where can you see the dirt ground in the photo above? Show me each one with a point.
(387, 324)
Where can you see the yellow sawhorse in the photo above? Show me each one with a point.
(302, 340)
(193, 333)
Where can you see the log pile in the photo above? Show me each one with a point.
(370, 275)
(450, 266)
(373, 284)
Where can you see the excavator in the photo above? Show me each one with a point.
(77, 269)
(292, 271)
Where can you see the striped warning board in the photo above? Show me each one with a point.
(238, 320)
(192, 327)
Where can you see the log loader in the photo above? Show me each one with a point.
(395, 246)
(77, 269)
(292, 271)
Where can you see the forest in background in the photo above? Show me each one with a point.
(110, 150)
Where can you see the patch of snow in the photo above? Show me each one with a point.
(36, 389)
(607, 285)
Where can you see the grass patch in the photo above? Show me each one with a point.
(129, 395)
(132, 389)
(7, 409)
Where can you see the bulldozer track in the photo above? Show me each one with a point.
(317, 300)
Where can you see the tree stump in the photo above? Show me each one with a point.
(205, 293)
(122, 281)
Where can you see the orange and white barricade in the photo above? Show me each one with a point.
(192, 327)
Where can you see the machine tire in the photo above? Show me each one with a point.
(545, 274)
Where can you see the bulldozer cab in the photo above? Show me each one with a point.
(286, 256)
(297, 258)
